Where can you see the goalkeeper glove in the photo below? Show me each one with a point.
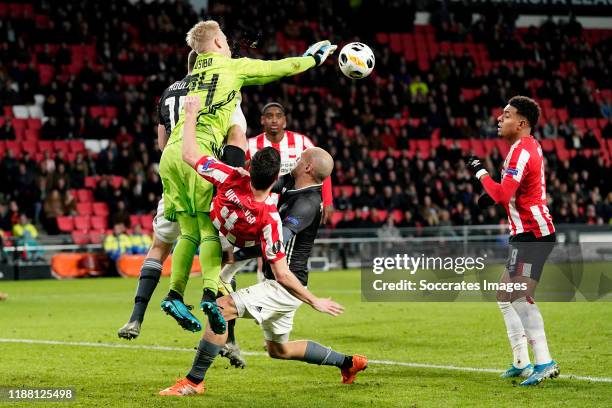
(485, 201)
(320, 51)
(474, 165)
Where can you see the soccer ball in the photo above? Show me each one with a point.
(356, 60)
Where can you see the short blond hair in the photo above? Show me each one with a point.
(202, 33)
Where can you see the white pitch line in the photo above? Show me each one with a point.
(255, 353)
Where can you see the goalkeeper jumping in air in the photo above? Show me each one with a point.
(217, 79)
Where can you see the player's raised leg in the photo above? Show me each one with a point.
(182, 260)
(210, 261)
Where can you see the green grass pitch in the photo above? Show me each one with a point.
(458, 334)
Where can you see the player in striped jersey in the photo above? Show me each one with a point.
(290, 145)
(522, 192)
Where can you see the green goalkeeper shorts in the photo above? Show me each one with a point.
(184, 189)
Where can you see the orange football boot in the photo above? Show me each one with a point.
(184, 387)
(360, 363)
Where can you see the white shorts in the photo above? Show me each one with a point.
(271, 306)
(166, 231)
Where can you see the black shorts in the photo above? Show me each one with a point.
(528, 254)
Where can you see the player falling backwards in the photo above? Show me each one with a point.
(216, 79)
(243, 214)
(290, 145)
(522, 192)
(166, 232)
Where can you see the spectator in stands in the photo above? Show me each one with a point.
(342, 202)
(6, 131)
(50, 130)
(53, 207)
(117, 243)
(418, 87)
(389, 231)
(70, 203)
(346, 222)
(12, 216)
(140, 241)
(120, 215)
(25, 234)
(103, 191)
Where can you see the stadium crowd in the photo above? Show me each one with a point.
(136, 50)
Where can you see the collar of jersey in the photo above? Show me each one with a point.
(305, 188)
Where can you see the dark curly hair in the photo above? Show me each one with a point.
(527, 108)
(265, 166)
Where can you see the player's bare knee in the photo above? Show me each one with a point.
(503, 296)
(227, 306)
(277, 351)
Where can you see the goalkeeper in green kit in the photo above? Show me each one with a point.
(217, 79)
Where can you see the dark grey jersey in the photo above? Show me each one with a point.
(171, 103)
(300, 212)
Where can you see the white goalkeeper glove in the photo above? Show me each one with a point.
(320, 51)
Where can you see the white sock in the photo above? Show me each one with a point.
(533, 323)
(229, 270)
(516, 335)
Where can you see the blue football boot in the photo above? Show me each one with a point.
(541, 372)
(181, 313)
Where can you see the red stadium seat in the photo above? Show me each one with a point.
(82, 222)
(116, 181)
(32, 134)
(91, 182)
(146, 221)
(99, 222)
(13, 145)
(97, 237)
(80, 237)
(547, 145)
(100, 209)
(336, 218)
(85, 195)
(134, 219)
(579, 123)
(34, 123)
(65, 224)
(592, 123)
(45, 146)
(19, 123)
(85, 208)
(96, 111)
(76, 146)
(397, 215)
(30, 147)
(60, 145)
(110, 111)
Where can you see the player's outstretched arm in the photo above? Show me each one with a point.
(285, 277)
(260, 72)
(190, 152)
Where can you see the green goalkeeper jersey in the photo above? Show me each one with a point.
(217, 80)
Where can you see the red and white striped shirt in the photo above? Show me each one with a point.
(235, 213)
(290, 148)
(522, 190)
